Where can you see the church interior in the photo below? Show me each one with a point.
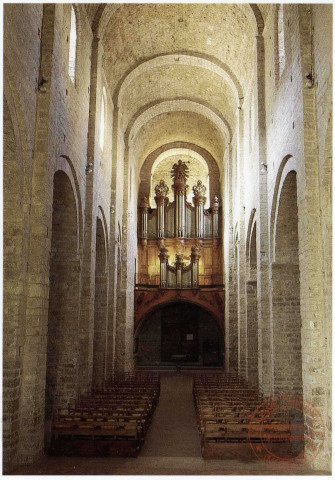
(167, 197)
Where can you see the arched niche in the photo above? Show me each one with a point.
(286, 290)
(63, 314)
(100, 306)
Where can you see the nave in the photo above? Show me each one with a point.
(167, 202)
(172, 445)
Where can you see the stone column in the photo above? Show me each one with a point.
(195, 256)
(85, 374)
(163, 257)
(180, 175)
(265, 343)
(144, 206)
(215, 217)
(179, 267)
(199, 200)
(161, 191)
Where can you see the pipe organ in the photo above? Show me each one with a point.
(179, 243)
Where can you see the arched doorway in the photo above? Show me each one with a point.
(179, 332)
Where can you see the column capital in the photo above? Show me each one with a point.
(144, 205)
(215, 204)
(179, 261)
(163, 256)
(195, 254)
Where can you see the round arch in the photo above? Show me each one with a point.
(177, 105)
(65, 165)
(181, 330)
(287, 165)
(194, 59)
(102, 217)
(172, 302)
(251, 224)
(199, 162)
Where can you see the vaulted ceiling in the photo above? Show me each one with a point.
(178, 72)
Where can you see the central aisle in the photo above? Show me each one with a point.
(173, 432)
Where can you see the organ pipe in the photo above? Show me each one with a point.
(180, 174)
(199, 201)
(161, 200)
(144, 206)
(215, 217)
(195, 256)
(163, 257)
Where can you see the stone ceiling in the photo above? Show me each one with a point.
(191, 58)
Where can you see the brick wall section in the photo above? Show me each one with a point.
(14, 289)
(286, 318)
(252, 333)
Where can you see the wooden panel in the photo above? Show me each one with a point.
(208, 256)
(152, 256)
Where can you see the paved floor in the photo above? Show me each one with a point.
(172, 446)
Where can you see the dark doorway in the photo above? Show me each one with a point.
(179, 333)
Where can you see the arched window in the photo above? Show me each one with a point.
(281, 39)
(102, 120)
(73, 46)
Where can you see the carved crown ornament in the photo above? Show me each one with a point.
(161, 190)
(199, 190)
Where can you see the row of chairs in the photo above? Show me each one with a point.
(112, 420)
(229, 417)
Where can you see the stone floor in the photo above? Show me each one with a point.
(172, 446)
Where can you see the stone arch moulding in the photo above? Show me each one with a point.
(147, 301)
(147, 166)
(287, 165)
(65, 165)
(101, 216)
(187, 58)
(180, 151)
(211, 161)
(168, 106)
(251, 224)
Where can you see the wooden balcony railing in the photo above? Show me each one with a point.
(146, 280)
